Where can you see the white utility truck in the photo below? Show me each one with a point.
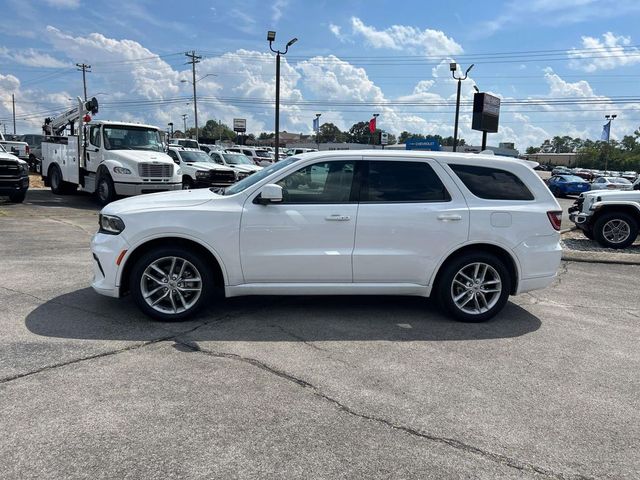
(104, 157)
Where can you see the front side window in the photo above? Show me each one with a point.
(237, 159)
(492, 183)
(94, 136)
(324, 182)
(393, 181)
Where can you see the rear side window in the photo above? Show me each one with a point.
(403, 182)
(492, 183)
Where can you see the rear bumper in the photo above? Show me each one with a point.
(11, 185)
(538, 283)
(539, 259)
(130, 189)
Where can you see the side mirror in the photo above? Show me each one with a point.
(176, 161)
(270, 193)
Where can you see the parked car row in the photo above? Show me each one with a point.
(563, 184)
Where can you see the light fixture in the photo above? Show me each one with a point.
(271, 36)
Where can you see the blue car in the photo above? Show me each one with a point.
(563, 185)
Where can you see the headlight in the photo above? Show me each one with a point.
(202, 174)
(122, 171)
(110, 224)
(179, 171)
(24, 169)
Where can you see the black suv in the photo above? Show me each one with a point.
(14, 176)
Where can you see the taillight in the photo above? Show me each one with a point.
(27, 149)
(555, 218)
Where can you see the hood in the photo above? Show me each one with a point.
(210, 166)
(246, 168)
(160, 201)
(136, 156)
(615, 195)
(11, 156)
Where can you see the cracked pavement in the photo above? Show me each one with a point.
(303, 387)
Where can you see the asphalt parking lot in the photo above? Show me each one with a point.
(303, 387)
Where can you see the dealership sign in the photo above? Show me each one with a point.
(486, 112)
(239, 124)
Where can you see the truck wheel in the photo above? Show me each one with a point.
(170, 283)
(474, 287)
(187, 183)
(18, 197)
(105, 190)
(55, 180)
(615, 230)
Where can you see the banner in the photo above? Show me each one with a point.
(372, 125)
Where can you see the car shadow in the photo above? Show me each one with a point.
(45, 198)
(83, 314)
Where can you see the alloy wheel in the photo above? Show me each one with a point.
(476, 288)
(171, 285)
(616, 231)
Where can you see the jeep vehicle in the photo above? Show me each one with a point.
(467, 229)
(611, 218)
(14, 176)
(200, 170)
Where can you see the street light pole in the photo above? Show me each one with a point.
(184, 120)
(611, 118)
(318, 130)
(271, 36)
(453, 67)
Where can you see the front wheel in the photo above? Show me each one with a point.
(474, 287)
(171, 283)
(187, 183)
(105, 190)
(615, 230)
(18, 197)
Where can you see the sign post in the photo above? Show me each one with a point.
(239, 126)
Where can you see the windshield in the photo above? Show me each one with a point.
(258, 176)
(188, 143)
(237, 159)
(263, 153)
(198, 156)
(2, 149)
(131, 138)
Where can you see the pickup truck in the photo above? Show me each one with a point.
(17, 148)
(611, 218)
(14, 176)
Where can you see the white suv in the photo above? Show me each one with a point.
(467, 229)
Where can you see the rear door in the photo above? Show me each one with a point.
(411, 214)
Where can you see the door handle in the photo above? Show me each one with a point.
(338, 218)
(449, 217)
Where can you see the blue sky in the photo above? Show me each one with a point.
(353, 58)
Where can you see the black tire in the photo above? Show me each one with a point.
(446, 288)
(18, 197)
(602, 230)
(187, 183)
(57, 184)
(105, 190)
(162, 254)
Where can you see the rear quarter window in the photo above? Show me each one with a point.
(492, 183)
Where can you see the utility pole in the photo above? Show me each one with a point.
(193, 60)
(84, 68)
(184, 120)
(13, 101)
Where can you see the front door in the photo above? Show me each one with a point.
(411, 214)
(309, 236)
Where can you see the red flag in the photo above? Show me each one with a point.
(372, 125)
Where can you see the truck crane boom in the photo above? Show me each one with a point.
(57, 125)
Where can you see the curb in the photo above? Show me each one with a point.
(587, 257)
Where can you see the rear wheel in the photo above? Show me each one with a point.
(170, 283)
(474, 287)
(615, 230)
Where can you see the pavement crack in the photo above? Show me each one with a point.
(511, 462)
(71, 224)
(83, 359)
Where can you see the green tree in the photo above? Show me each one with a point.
(330, 133)
(359, 133)
(531, 150)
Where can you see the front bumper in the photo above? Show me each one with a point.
(14, 184)
(581, 220)
(130, 189)
(105, 250)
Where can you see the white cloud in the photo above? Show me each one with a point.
(277, 9)
(63, 3)
(32, 58)
(336, 30)
(606, 54)
(402, 37)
